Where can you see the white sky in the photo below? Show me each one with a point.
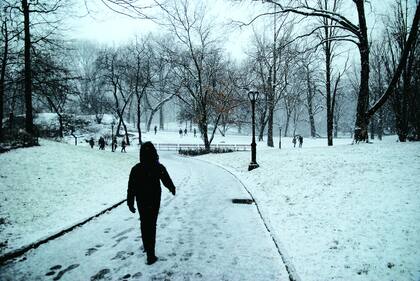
(107, 27)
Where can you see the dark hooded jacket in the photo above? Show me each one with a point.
(144, 184)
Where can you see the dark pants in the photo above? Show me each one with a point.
(148, 219)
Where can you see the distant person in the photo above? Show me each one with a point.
(123, 145)
(300, 141)
(155, 130)
(91, 142)
(101, 143)
(185, 132)
(195, 133)
(180, 132)
(294, 141)
(114, 144)
(144, 186)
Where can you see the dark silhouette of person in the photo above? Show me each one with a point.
(300, 141)
(91, 142)
(185, 132)
(144, 186)
(123, 145)
(101, 143)
(155, 130)
(180, 132)
(294, 141)
(114, 144)
(195, 132)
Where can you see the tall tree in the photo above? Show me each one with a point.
(356, 33)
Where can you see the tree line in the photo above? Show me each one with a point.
(302, 74)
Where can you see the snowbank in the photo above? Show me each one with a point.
(347, 212)
(45, 189)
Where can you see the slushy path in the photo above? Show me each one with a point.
(201, 236)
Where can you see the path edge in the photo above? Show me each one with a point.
(293, 276)
(5, 258)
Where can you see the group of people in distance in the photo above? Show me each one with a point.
(185, 132)
(299, 139)
(102, 143)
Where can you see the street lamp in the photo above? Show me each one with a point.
(112, 135)
(253, 96)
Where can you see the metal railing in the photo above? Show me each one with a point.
(184, 146)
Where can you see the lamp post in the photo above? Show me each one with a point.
(279, 137)
(253, 96)
(112, 135)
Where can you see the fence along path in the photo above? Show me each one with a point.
(183, 146)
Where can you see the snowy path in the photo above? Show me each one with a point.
(201, 236)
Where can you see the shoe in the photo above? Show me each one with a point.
(151, 260)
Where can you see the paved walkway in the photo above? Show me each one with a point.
(201, 236)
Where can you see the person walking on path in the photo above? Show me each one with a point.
(123, 145)
(185, 131)
(195, 133)
(155, 130)
(180, 132)
(91, 142)
(144, 187)
(294, 141)
(101, 143)
(300, 141)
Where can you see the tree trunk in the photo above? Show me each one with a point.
(372, 127)
(270, 141)
(261, 132)
(362, 119)
(286, 127)
(149, 122)
(3, 75)
(60, 122)
(203, 130)
(310, 95)
(161, 119)
(335, 127)
(127, 139)
(138, 118)
(380, 124)
(328, 57)
(28, 72)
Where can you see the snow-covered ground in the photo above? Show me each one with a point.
(348, 212)
(201, 236)
(44, 189)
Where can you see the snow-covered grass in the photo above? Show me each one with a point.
(348, 212)
(44, 189)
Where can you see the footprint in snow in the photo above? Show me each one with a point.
(125, 277)
(122, 255)
(62, 272)
(119, 240)
(101, 275)
(90, 251)
(137, 275)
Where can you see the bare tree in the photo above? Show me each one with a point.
(114, 71)
(403, 98)
(356, 33)
(197, 65)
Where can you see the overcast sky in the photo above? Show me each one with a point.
(107, 27)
